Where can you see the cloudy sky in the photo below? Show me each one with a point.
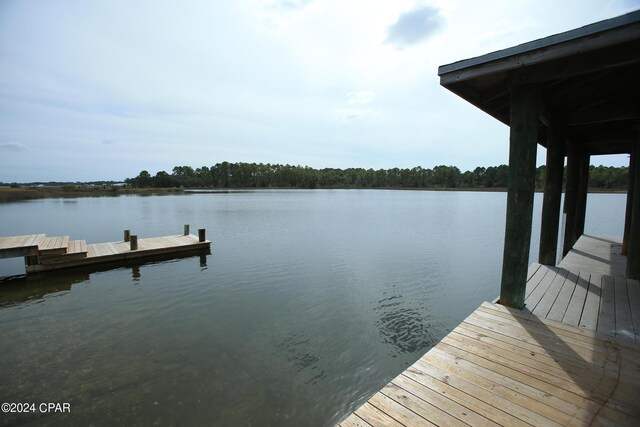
(94, 90)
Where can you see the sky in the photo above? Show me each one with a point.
(101, 90)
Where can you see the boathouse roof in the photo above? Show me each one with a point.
(589, 78)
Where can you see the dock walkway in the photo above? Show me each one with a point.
(44, 253)
(569, 358)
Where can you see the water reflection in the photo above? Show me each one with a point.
(19, 289)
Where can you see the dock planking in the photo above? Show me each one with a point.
(570, 357)
(43, 253)
(506, 367)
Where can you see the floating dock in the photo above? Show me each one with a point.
(571, 357)
(43, 253)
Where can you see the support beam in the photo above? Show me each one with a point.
(571, 196)
(525, 111)
(552, 195)
(629, 209)
(583, 188)
(633, 253)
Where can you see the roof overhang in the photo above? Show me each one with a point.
(589, 78)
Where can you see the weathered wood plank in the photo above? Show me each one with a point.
(375, 417)
(552, 332)
(547, 300)
(633, 288)
(519, 394)
(534, 280)
(591, 311)
(606, 315)
(91, 251)
(9, 242)
(522, 414)
(554, 395)
(577, 302)
(624, 324)
(354, 421)
(595, 255)
(536, 295)
(561, 304)
(555, 376)
(393, 401)
(449, 411)
(112, 248)
(438, 381)
(567, 333)
(576, 349)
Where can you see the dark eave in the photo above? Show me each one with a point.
(588, 78)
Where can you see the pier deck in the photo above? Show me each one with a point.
(571, 357)
(44, 253)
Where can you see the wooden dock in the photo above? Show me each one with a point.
(571, 357)
(43, 253)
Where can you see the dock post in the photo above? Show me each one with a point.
(571, 197)
(186, 229)
(633, 248)
(201, 235)
(523, 142)
(127, 235)
(134, 242)
(552, 194)
(629, 208)
(583, 188)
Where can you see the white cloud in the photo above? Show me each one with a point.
(415, 26)
(13, 146)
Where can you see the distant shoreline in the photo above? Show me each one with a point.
(10, 194)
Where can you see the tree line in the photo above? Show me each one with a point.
(258, 175)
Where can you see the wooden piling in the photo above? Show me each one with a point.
(552, 195)
(571, 197)
(186, 229)
(201, 235)
(583, 186)
(127, 235)
(629, 207)
(525, 108)
(134, 242)
(633, 249)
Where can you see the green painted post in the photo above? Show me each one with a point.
(525, 108)
(583, 187)
(629, 208)
(552, 195)
(186, 229)
(633, 252)
(134, 242)
(571, 196)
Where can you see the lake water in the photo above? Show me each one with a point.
(309, 302)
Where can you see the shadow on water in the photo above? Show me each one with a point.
(16, 290)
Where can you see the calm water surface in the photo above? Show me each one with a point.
(309, 302)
